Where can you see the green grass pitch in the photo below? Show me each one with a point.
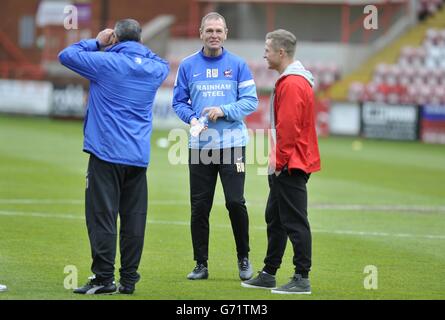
(375, 203)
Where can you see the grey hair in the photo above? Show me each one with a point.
(128, 30)
(283, 39)
(212, 16)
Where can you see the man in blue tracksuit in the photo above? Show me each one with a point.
(124, 79)
(218, 84)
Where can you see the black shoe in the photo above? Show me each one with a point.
(262, 281)
(94, 286)
(199, 273)
(124, 289)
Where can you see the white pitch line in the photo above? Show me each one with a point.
(313, 206)
(41, 215)
(378, 207)
(41, 201)
(186, 223)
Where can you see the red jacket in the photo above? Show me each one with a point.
(296, 139)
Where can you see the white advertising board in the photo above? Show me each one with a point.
(344, 118)
(28, 97)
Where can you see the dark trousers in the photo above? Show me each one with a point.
(204, 167)
(286, 217)
(112, 189)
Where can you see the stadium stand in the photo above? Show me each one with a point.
(14, 63)
(428, 7)
(397, 73)
(418, 77)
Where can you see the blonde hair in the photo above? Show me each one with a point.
(212, 16)
(283, 39)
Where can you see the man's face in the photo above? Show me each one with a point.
(213, 34)
(272, 55)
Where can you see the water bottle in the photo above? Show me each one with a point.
(197, 128)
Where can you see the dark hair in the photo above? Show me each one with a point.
(128, 30)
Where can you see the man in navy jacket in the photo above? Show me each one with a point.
(124, 77)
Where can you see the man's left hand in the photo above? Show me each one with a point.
(213, 113)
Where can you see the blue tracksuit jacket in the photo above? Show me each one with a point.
(123, 84)
(224, 81)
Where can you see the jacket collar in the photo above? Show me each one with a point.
(130, 47)
(297, 68)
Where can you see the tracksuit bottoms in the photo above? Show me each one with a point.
(286, 217)
(113, 189)
(204, 167)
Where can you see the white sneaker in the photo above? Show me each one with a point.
(3, 288)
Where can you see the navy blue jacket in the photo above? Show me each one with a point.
(123, 84)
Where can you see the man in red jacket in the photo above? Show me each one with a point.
(294, 156)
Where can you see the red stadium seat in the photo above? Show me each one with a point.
(438, 95)
(356, 91)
